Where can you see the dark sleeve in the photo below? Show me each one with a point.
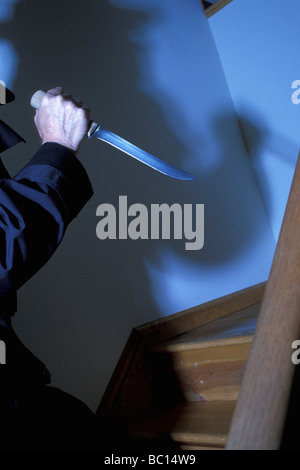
(35, 209)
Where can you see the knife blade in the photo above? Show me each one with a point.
(139, 154)
(97, 131)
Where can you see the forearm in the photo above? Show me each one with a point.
(58, 167)
(36, 208)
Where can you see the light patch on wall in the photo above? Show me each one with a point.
(7, 9)
(8, 55)
(8, 63)
(183, 281)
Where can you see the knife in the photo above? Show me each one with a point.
(109, 137)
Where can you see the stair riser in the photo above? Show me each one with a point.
(212, 373)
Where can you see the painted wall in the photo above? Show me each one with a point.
(151, 72)
(257, 44)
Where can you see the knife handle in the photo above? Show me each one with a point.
(37, 98)
(36, 101)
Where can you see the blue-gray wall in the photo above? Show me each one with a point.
(257, 43)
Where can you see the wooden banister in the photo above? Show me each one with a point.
(259, 416)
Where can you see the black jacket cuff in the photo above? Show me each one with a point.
(58, 167)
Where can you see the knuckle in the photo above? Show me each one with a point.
(80, 114)
(46, 99)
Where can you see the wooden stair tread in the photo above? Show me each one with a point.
(191, 423)
(237, 327)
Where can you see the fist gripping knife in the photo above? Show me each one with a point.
(96, 130)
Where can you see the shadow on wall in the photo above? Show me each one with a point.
(91, 293)
(234, 222)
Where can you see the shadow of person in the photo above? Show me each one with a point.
(235, 216)
(235, 213)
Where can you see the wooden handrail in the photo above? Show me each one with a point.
(259, 416)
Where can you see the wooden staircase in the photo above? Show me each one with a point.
(191, 381)
(178, 380)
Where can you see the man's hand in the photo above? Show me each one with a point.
(61, 119)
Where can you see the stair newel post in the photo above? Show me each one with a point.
(259, 416)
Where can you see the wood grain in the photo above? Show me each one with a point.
(137, 379)
(225, 330)
(261, 409)
(191, 425)
(212, 373)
